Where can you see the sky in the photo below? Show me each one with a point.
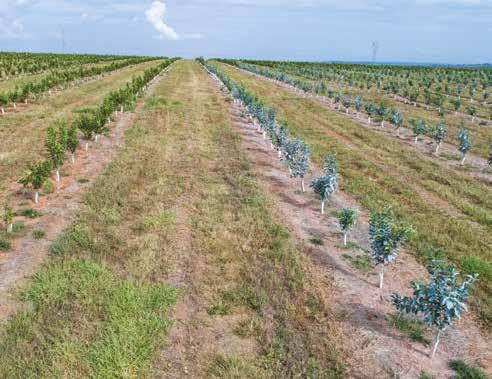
(436, 31)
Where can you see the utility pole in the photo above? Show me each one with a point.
(375, 49)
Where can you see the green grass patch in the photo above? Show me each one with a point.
(29, 213)
(466, 371)
(154, 102)
(5, 245)
(414, 329)
(38, 234)
(360, 262)
(316, 241)
(126, 317)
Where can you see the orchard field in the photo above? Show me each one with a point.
(176, 218)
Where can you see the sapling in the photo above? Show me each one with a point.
(370, 110)
(397, 120)
(438, 134)
(347, 218)
(489, 159)
(297, 154)
(471, 110)
(72, 141)
(464, 143)
(359, 104)
(383, 112)
(419, 128)
(35, 176)
(386, 237)
(86, 124)
(440, 301)
(8, 217)
(457, 105)
(55, 144)
(326, 185)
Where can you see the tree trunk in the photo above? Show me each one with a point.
(473, 119)
(398, 132)
(15, 105)
(3, 111)
(369, 120)
(302, 185)
(86, 146)
(437, 148)
(323, 207)
(10, 227)
(121, 109)
(382, 124)
(463, 160)
(57, 175)
(435, 345)
(36, 197)
(73, 158)
(381, 275)
(344, 239)
(280, 153)
(96, 137)
(264, 135)
(416, 139)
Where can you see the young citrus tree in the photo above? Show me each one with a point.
(297, 154)
(55, 144)
(35, 176)
(419, 128)
(397, 120)
(72, 141)
(325, 186)
(440, 301)
(347, 218)
(370, 110)
(464, 143)
(386, 236)
(438, 134)
(457, 105)
(86, 123)
(8, 217)
(383, 112)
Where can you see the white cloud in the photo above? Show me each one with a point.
(155, 15)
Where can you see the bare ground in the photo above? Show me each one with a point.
(373, 348)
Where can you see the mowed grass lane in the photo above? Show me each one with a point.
(179, 197)
(22, 134)
(448, 209)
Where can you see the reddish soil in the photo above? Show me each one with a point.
(58, 210)
(373, 347)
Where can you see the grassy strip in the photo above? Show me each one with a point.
(379, 171)
(98, 309)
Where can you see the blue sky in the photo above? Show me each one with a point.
(448, 31)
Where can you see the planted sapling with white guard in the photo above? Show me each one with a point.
(35, 176)
(438, 134)
(297, 155)
(347, 218)
(464, 143)
(386, 236)
(8, 217)
(440, 301)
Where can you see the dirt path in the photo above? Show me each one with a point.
(376, 349)
(57, 210)
(475, 165)
(196, 337)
